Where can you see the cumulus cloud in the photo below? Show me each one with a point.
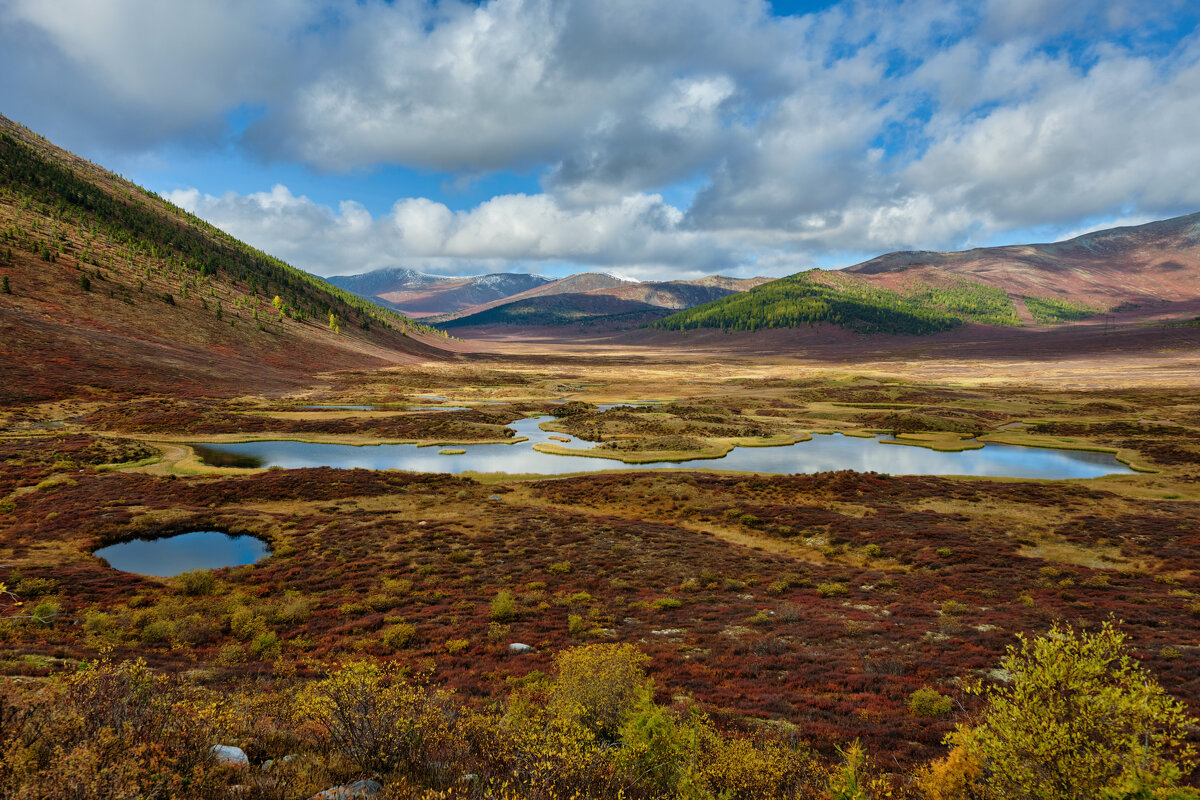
(132, 73)
(637, 235)
(869, 126)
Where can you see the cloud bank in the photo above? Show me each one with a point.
(780, 141)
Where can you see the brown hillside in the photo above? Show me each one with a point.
(1144, 265)
(112, 289)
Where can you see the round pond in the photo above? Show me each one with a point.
(168, 556)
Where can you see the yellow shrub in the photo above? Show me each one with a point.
(598, 684)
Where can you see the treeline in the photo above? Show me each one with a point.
(142, 225)
(1050, 311)
(809, 298)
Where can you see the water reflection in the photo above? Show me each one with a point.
(171, 555)
(822, 453)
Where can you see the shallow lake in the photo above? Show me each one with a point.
(822, 453)
(170, 555)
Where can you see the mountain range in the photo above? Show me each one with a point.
(523, 299)
(417, 294)
(110, 287)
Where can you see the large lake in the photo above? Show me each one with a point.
(821, 454)
(168, 556)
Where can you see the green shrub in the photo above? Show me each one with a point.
(398, 636)
(245, 624)
(953, 608)
(559, 568)
(265, 646)
(664, 603)
(504, 607)
(928, 702)
(832, 589)
(197, 582)
(46, 612)
(157, 631)
(33, 587)
(456, 646)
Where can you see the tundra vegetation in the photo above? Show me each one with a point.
(689, 633)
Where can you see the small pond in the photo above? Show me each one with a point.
(170, 555)
(822, 453)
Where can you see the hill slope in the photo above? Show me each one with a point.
(572, 284)
(1155, 262)
(563, 309)
(112, 289)
(418, 295)
(1132, 270)
(624, 305)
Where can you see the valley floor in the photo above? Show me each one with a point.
(811, 603)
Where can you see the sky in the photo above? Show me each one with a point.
(651, 139)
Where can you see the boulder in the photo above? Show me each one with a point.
(359, 790)
(519, 647)
(226, 755)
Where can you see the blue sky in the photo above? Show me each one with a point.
(648, 138)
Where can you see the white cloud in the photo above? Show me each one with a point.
(870, 126)
(639, 234)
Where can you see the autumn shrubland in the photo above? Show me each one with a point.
(678, 633)
(1077, 719)
(780, 633)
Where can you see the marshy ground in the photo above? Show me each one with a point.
(819, 602)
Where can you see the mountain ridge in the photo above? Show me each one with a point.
(1138, 269)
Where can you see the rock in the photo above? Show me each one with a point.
(227, 755)
(519, 647)
(351, 791)
(270, 762)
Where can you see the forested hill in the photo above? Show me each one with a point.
(808, 298)
(1138, 271)
(124, 290)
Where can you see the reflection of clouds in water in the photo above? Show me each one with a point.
(823, 453)
(172, 555)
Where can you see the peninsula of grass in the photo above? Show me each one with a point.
(640, 456)
(941, 441)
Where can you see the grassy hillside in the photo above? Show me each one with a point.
(86, 255)
(808, 298)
